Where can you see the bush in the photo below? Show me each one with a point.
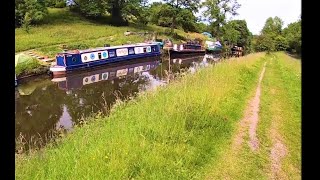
(29, 12)
(61, 4)
(26, 64)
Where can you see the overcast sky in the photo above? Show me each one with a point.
(256, 12)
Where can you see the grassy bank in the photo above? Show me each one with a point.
(279, 128)
(282, 108)
(64, 27)
(27, 65)
(176, 132)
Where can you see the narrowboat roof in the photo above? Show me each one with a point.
(111, 47)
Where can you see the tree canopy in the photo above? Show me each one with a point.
(274, 37)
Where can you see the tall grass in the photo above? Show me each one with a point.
(65, 27)
(172, 133)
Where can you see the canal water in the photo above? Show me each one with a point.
(46, 107)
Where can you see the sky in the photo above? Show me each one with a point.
(256, 12)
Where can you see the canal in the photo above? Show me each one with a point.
(46, 108)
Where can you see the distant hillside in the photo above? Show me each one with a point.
(64, 27)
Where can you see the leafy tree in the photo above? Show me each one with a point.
(272, 36)
(28, 12)
(56, 3)
(121, 10)
(137, 11)
(236, 32)
(187, 20)
(161, 14)
(217, 10)
(92, 8)
(264, 43)
(177, 5)
(292, 33)
(202, 27)
(281, 43)
(273, 26)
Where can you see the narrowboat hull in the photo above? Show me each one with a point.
(213, 51)
(75, 80)
(187, 49)
(71, 61)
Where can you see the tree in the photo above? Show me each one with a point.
(271, 37)
(281, 43)
(161, 14)
(236, 32)
(217, 10)
(56, 3)
(121, 10)
(28, 12)
(187, 20)
(177, 5)
(92, 8)
(202, 27)
(273, 25)
(137, 11)
(292, 33)
(264, 43)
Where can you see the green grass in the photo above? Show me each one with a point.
(176, 132)
(280, 112)
(285, 106)
(64, 27)
(28, 67)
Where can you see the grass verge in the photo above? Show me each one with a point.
(173, 133)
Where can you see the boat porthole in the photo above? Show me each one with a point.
(74, 59)
(104, 54)
(86, 79)
(92, 56)
(105, 76)
(85, 58)
(93, 78)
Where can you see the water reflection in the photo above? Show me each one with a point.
(44, 106)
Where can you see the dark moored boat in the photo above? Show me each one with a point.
(84, 59)
(191, 47)
(78, 79)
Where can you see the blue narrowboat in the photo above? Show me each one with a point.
(80, 59)
(106, 73)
